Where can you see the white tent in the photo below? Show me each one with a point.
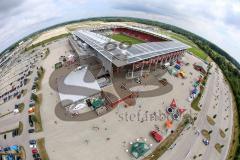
(15, 111)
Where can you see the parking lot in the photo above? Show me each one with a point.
(18, 78)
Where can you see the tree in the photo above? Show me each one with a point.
(41, 69)
(39, 74)
(209, 132)
(34, 97)
(34, 118)
(214, 116)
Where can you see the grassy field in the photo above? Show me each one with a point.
(125, 38)
(195, 102)
(210, 120)
(20, 128)
(199, 53)
(22, 152)
(206, 134)
(21, 107)
(42, 150)
(40, 74)
(38, 123)
(218, 147)
(195, 49)
(46, 41)
(221, 133)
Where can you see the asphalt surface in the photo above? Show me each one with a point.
(189, 143)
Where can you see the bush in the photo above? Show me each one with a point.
(34, 97)
(34, 118)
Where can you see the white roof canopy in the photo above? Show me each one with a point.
(78, 85)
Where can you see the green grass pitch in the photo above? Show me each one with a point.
(124, 38)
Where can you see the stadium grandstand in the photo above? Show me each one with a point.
(128, 48)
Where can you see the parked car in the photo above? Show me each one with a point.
(32, 141)
(36, 155)
(25, 81)
(30, 120)
(33, 146)
(34, 151)
(33, 87)
(31, 124)
(18, 158)
(80, 67)
(31, 131)
(19, 96)
(14, 132)
(205, 141)
(34, 90)
(138, 80)
(32, 103)
(7, 149)
(156, 136)
(16, 106)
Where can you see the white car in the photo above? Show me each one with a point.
(205, 141)
(33, 146)
(15, 111)
(80, 67)
(138, 80)
(34, 91)
(190, 99)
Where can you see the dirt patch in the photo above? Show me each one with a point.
(210, 120)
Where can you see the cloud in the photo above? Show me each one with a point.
(7, 9)
(20, 20)
(233, 19)
(215, 20)
(153, 7)
(9, 5)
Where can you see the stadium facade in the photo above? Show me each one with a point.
(136, 59)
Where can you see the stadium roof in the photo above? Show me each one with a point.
(135, 53)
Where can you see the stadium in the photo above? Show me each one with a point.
(129, 49)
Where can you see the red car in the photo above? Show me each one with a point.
(156, 136)
(34, 151)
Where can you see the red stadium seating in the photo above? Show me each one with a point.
(139, 35)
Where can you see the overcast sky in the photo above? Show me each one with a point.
(217, 21)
